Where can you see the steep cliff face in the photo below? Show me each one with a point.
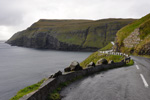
(135, 37)
(87, 35)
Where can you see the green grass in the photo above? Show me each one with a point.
(144, 30)
(141, 45)
(75, 33)
(92, 58)
(55, 96)
(107, 47)
(27, 90)
(115, 58)
(96, 56)
(130, 63)
(125, 31)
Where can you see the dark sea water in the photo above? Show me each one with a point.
(20, 67)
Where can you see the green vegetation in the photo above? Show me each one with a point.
(83, 33)
(115, 58)
(144, 30)
(27, 90)
(130, 63)
(96, 56)
(107, 47)
(55, 94)
(125, 31)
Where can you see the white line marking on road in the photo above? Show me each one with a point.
(137, 66)
(144, 81)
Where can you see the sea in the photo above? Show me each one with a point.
(21, 67)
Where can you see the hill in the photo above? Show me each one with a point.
(135, 37)
(86, 35)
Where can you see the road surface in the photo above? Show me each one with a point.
(126, 83)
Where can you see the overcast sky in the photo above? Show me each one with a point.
(16, 15)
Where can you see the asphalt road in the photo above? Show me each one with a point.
(126, 83)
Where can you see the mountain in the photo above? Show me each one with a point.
(135, 37)
(76, 35)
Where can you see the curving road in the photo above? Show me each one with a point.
(126, 83)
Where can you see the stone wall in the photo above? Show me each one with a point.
(133, 39)
(51, 84)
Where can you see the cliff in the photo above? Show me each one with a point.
(86, 35)
(135, 37)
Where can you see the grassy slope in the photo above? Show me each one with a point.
(27, 90)
(107, 47)
(143, 24)
(125, 31)
(73, 31)
(96, 56)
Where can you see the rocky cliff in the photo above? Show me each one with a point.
(135, 37)
(87, 35)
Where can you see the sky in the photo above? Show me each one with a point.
(17, 15)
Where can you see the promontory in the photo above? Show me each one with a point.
(72, 35)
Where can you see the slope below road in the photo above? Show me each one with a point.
(117, 84)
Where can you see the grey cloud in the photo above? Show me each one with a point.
(10, 14)
(12, 18)
(20, 14)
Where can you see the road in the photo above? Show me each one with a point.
(126, 83)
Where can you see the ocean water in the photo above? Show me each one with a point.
(21, 67)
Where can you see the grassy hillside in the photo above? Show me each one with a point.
(70, 34)
(94, 57)
(142, 27)
(107, 47)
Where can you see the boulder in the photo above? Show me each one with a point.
(67, 69)
(102, 61)
(123, 60)
(111, 62)
(74, 66)
(91, 64)
(127, 59)
(57, 74)
(51, 76)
